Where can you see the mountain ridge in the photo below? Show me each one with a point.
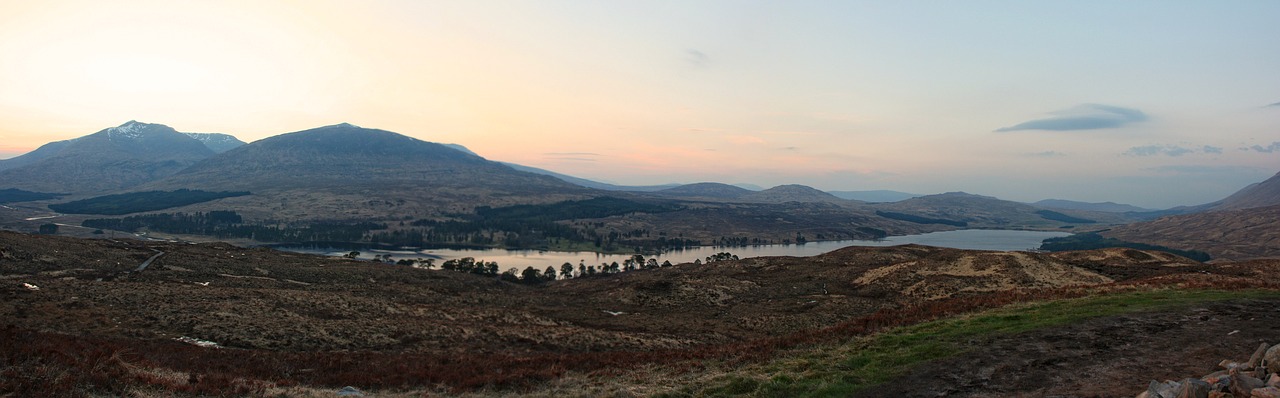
(113, 158)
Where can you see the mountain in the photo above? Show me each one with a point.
(1265, 193)
(114, 158)
(1228, 234)
(706, 190)
(791, 193)
(1109, 207)
(874, 196)
(217, 142)
(349, 172)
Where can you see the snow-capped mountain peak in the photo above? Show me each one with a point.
(131, 130)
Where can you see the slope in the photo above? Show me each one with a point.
(1230, 235)
(1265, 193)
(348, 172)
(114, 158)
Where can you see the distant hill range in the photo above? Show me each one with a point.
(349, 172)
(1241, 226)
(976, 211)
(217, 142)
(875, 196)
(705, 190)
(575, 180)
(1109, 207)
(114, 158)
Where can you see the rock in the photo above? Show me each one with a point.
(350, 391)
(1156, 389)
(1213, 377)
(1256, 357)
(1273, 359)
(1220, 394)
(1194, 388)
(1274, 381)
(1266, 392)
(1242, 384)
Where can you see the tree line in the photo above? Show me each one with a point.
(531, 275)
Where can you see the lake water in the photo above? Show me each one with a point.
(973, 239)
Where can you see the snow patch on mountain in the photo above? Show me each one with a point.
(131, 130)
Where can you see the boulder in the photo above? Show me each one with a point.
(1242, 384)
(1265, 392)
(1273, 359)
(1256, 358)
(1156, 389)
(1274, 381)
(1194, 388)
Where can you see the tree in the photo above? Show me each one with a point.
(666, 263)
(651, 264)
(566, 270)
(509, 276)
(48, 229)
(549, 274)
(530, 275)
(352, 255)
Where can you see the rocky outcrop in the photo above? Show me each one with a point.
(1256, 378)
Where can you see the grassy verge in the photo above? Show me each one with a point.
(845, 369)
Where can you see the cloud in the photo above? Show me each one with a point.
(696, 58)
(1083, 117)
(1152, 150)
(1047, 154)
(1275, 146)
(1275, 105)
(1212, 149)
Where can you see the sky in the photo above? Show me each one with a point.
(1152, 103)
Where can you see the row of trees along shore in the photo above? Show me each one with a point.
(531, 275)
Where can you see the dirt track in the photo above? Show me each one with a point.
(1104, 357)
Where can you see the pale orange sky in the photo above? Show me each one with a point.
(836, 95)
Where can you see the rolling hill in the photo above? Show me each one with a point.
(874, 196)
(976, 211)
(1109, 207)
(705, 190)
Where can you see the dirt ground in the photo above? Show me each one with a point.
(1104, 357)
(278, 302)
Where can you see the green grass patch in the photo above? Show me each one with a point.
(844, 369)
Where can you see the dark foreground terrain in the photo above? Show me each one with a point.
(81, 319)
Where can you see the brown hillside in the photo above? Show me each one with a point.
(1226, 235)
(1266, 193)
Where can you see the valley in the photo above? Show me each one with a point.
(163, 282)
